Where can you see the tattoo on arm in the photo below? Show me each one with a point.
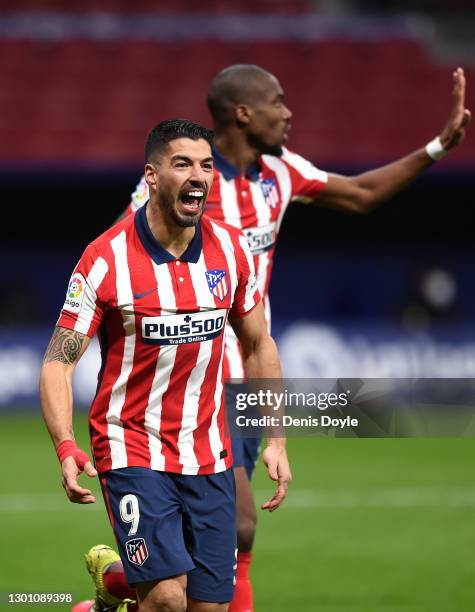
(65, 346)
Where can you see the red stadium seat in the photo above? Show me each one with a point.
(94, 102)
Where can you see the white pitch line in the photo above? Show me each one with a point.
(404, 497)
(409, 497)
(39, 503)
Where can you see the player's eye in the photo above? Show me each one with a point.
(208, 167)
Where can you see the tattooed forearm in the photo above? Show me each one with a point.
(65, 346)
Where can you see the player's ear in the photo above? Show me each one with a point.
(243, 113)
(151, 176)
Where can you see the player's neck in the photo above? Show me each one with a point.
(233, 146)
(172, 237)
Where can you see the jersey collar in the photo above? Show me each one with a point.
(159, 254)
(229, 171)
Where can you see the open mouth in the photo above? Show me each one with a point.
(191, 200)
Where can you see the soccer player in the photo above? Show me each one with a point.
(256, 177)
(158, 289)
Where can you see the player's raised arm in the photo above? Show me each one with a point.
(362, 193)
(64, 351)
(261, 361)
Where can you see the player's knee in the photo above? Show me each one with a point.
(172, 603)
(246, 530)
(168, 597)
(195, 605)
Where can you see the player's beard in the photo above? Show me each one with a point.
(265, 148)
(272, 150)
(168, 204)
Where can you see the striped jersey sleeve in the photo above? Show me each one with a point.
(247, 295)
(84, 305)
(307, 181)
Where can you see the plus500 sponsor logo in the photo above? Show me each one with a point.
(260, 239)
(183, 328)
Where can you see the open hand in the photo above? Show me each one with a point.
(71, 472)
(454, 131)
(275, 458)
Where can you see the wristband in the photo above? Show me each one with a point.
(435, 150)
(68, 448)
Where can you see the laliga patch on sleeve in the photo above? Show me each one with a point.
(75, 293)
(140, 195)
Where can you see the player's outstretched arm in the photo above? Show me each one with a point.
(261, 361)
(362, 193)
(64, 351)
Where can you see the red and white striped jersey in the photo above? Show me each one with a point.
(160, 322)
(256, 203)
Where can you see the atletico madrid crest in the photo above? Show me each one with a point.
(269, 190)
(217, 283)
(137, 551)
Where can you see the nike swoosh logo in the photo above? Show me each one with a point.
(139, 296)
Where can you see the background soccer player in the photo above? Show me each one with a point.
(149, 286)
(256, 178)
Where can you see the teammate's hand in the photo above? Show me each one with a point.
(275, 459)
(454, 131)
(71, 471)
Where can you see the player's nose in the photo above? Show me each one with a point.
(287, 113)
(198, 174)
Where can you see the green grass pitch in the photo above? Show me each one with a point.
(369, 525)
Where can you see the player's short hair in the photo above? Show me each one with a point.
(237, 84)
(165, 131)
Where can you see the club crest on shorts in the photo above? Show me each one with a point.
(269, 190)
(137, 551)
(217, 283)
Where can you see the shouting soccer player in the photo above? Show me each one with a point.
(256, 177)
(158, 289)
